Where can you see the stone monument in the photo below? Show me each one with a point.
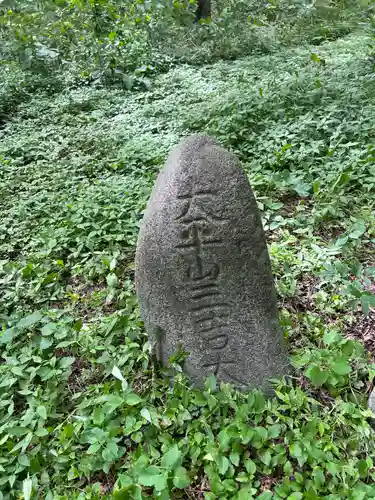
(203, 274)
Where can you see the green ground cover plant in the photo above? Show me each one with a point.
(93, 96)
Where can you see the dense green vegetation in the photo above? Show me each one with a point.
(93, 96)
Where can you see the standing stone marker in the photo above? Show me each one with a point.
(203, 273)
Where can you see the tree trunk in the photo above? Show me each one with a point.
(203, 10)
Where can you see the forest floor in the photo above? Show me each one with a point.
(82, 408)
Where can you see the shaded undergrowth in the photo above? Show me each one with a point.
(83, 412)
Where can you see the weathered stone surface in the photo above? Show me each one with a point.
(371, 401)
(203, 274)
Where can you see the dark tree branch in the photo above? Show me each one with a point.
(203, 10)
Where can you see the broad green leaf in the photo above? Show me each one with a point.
(42, 411)
(131, 492)
(112, 281)
(350, 346)
(132, 399)
(7, 336)
(23, 460)
(260, 433)
(319, 476)
(145, 413)
(266, 495)
(250, 466)
(23, 443)
(27, 488)
(151, 415)
(288, 467)
(8, 382)
(296, 450)
(18, 370)
(317, 376)
(223, 464)
(242, 477)
(72, 473)
(110, 452)
(265, 457)
(41, 432)
(181, 478)
(341, 367)
(234, 458)
(358, 230)
(66, 361)
(153, 476)
(30, 320)
(367, 301)
(45, 343)
(331, 337)
(78, 325)
(93, 448)
(341, 241)
(316, 187)
(224, 439)
(171, 458)
(274, 431)
(48, 329)
(211, 383)
(315, 57)
(17, 431)
(246, 492)
(117, 373)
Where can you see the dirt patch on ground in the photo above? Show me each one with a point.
(89, 298)
(303, 300)
(141, 384)
(106, 482)
(77, 381)
(363, 330)
(291, 203)
(83, 372)
(195, 491)
(329, 233)
(320, 394)
(267, 482)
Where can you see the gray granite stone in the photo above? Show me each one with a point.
(371, 401)
(203, 273)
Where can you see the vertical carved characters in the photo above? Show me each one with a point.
(208, 307)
